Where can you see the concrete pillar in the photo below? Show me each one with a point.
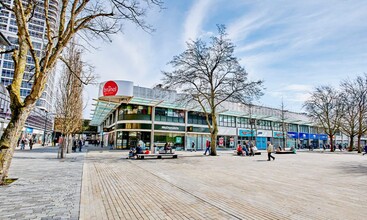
(152, 131)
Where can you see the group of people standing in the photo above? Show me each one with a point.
(25, 142)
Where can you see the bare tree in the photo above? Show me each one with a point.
(210, 75)
(326, 110)
(349, 123)
(94, 18)
(355, 102)
(69, 98)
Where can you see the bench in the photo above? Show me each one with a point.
(256, 153)
(285, 152)
(156, 156)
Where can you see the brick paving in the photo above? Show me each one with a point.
(47, 188)
(108, 186)
(301, 186)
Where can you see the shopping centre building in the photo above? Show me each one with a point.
(128, 115)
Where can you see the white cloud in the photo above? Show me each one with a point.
(195, 19)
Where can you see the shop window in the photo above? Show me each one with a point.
(198, 118)
(227, 121)
(170, 115)
(135, 112)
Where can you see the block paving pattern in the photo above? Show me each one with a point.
(301, 186)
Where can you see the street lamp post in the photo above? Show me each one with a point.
(44, 131)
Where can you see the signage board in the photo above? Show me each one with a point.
(293, 135)
(169, 127)
(246, 133)
(323, 137)
(304, 136)
(115, 90)
(231, 142)
(313, 136)
(264, 133)
(221, 142)
(278, 134)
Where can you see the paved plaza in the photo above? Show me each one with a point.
(301, 186)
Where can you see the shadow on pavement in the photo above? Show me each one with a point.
(354, 168)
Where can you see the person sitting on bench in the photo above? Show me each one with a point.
(239, 150)
(167, 147)
(139, 150)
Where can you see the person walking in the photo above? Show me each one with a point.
(80, 143)
(30, 143)
(22, 144)
(365, 150)
(207, 149)
(193, 147)
(270, 149)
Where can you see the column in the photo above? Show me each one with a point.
(152, 131)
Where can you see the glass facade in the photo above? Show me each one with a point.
(262, 124)
(135, 112)
(227, 121)
(197, 118)
(169, 115)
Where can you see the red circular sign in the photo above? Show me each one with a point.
(110, 88)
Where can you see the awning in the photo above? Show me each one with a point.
(101, 111)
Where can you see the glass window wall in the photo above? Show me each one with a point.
(197, 118)
(135, 112)
(227, 121)
(169, 115)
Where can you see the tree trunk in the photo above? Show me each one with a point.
(359, 144)
(213, 136)
(331, 143)
(10, 138)
(351, 143)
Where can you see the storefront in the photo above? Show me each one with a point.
(303, 140)
(262, 137)
(198, 136)
(314, 140)
(245, 135)
(278, 138)
(292, 140)
(323, 138)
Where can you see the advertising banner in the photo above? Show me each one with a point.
(313, 136)
(293, 135)
(277, 134)
(246, 133)
(221, 142)
(304, 136)
(264, 133)
(116, 88)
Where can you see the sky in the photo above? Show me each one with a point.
(292, 45)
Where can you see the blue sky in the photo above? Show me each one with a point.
(292, 45)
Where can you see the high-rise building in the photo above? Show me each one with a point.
(37, 30)
(40, 121)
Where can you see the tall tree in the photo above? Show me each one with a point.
(356, 101)
(326, 110)
(209, 75)
(69, 98)
(94, 18)
(349, 122)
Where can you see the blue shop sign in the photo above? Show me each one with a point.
(293, 135)
(29, 130)
(304, 136)
(246, 133)
(313, 136)
(323, 137)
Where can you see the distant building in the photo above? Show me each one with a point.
(156, 116)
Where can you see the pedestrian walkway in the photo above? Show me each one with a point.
(47, 188)
(301, 186)
(109, 186)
